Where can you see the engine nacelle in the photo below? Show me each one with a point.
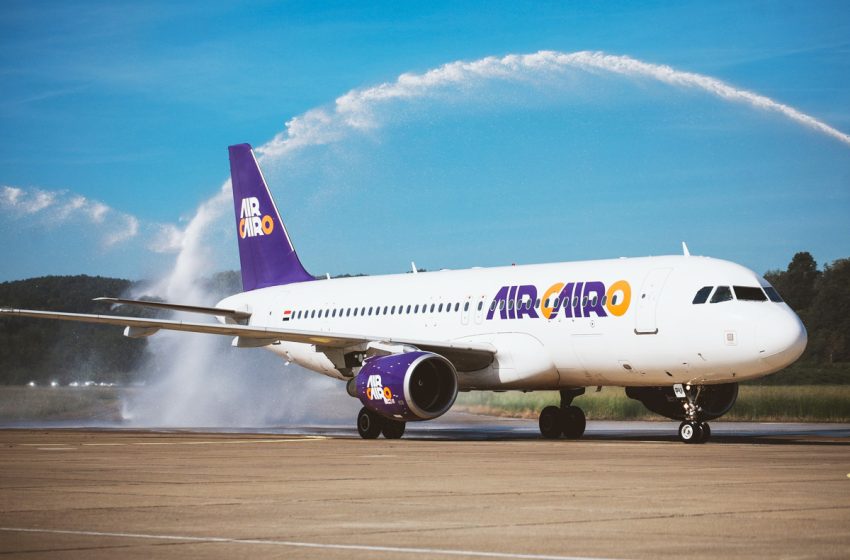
(714, 400)
(409, 386)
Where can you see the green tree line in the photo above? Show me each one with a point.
(45, 351)
(822, 300)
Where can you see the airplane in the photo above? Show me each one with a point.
(678, 332)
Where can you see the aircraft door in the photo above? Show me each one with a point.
(647, 302)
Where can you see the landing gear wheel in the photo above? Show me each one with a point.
(393, 429)
(690, 432)
(573, 422)
(369, 424)
(706, 432)
(551, 425)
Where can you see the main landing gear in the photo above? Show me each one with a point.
(371, 424)
(693, 429)
(566, 420)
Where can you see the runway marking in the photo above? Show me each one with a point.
(297, 544)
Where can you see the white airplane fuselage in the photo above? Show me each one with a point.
(653, 336)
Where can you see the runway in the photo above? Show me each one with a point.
(472, 487)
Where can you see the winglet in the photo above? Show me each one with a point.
(266, 253)
(685, 249)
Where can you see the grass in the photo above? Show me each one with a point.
(764, 403)
(805, 403)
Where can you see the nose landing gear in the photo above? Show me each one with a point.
(566, 420)
(693, 429)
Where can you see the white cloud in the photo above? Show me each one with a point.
(56, 208)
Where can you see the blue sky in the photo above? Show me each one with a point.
(115, 118)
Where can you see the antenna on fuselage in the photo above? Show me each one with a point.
(685, 249)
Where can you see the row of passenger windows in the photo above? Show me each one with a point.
(442, 307)
(742, 293)
(385, 310)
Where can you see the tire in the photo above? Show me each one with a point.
(690, 432)
(369, 424)
(706, 432)
(393, 429)
(551, 425)
(573, 422)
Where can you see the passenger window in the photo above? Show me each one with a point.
(747, 293)
(466, 306)
(457, 306)
(721, 294)
(440, 308)
(604, 300)
(370, 311)
(385, 310)
(348, 312)
(408, 310)
(702, 295)
(416, 308)
(432, 308)
(773, 294)
(355, 312)
(480, 305)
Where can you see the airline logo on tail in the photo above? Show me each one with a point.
(251, 221)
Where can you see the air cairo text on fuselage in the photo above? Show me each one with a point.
(571, 299)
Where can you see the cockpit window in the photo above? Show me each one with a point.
(722, 293)
(702, 294)
(773, 294)
(747, 293)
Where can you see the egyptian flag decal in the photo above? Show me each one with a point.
(287, 315)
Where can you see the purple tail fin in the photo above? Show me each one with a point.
(265, 251)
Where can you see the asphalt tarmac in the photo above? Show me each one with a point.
(470, 487)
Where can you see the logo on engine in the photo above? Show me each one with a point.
(375, 390)
(251, 221)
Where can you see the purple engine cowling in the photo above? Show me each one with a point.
(409, 386)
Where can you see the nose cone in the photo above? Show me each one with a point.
(782, 339)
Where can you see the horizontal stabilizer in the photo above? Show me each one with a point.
(240, 317)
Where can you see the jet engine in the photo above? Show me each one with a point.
(408, 386)
(713, 400)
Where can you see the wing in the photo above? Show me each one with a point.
(240, 317)
(467, 356)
